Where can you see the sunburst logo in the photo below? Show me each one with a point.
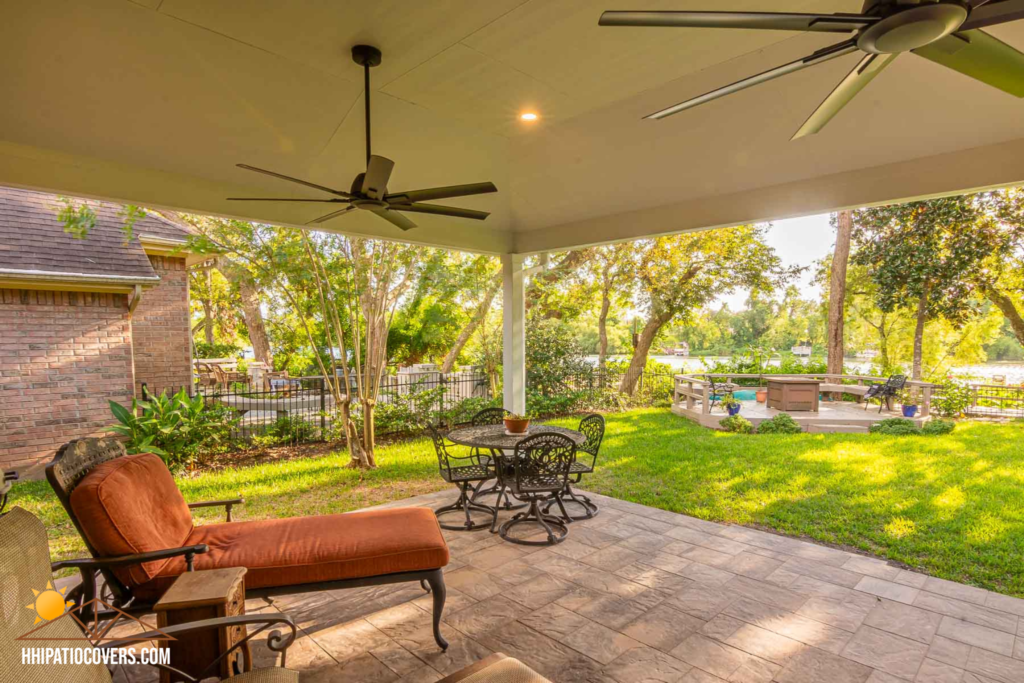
(49, 604)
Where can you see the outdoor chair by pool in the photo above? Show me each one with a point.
(130, 504)
(540, 470)
(27, 572)
(592, 427)
(464, 472)
(718, 390)
(885, 392)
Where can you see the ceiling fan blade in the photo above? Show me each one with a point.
(774, 21)
(294, 180)
(862, 74)
(378, 172)
(992, 13)
(286, 199)
(323, 219)
(823, 55)
(394, 218)
(441, 193)
(439, 210)
(980, 56)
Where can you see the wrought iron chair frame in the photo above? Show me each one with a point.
(76, 458)
(885, 392)
(476, 473)
(559, 452)
(718, 391)
(595, 435)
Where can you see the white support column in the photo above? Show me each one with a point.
(514, 333)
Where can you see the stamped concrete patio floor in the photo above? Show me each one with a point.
(642, 595)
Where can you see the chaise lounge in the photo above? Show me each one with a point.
(130, 505)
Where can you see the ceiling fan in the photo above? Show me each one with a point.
(947, 32)
(369, 190)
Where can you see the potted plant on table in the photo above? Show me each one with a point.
(517, 424)
(908, 403)
(731, 404)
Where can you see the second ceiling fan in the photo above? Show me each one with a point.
(947, 32)
(369, 190)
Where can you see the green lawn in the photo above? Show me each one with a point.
(952, 506)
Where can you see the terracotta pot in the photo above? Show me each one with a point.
(762, 395)
(516, 426)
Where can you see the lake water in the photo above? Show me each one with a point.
(1013, 372)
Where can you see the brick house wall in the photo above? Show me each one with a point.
(161, 330)
(63, 355)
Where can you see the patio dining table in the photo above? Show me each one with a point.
(494, 437)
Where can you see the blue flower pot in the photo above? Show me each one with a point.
(734, 410)
(909, 411)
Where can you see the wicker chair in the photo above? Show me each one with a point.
(885, 392)
(25, 568)
(540, 470)
(592, 427)
(463, 471)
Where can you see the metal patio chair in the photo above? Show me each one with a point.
(464, 472)
(885, 392)
(540, 469)
(718, 390)
(592, 427)
(491, 416)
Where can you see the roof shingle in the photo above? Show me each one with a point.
(32, 238)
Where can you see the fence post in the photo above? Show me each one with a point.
(323, 409)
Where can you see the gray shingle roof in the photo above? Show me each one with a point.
(32, 238)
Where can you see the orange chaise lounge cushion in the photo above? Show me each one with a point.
(132, 505)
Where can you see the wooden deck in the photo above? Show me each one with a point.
(832, 416)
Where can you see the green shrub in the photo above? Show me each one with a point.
(953, 399)
(783, 423)
(737, 424)
(177, 428)
(284, 430)
(938, 427)
(895, 426)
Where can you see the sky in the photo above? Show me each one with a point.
(800, 242)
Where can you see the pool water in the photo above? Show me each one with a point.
(745, 395)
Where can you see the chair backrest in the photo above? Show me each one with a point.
(24, 571)
(489, 416)
(543, 462)
(896, 382)
(73, 461)
(440, 447)
(592, 427)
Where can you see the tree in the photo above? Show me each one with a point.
(926, 256)
(610, 267)
(837, 292)
(479, 288)
(679, 274)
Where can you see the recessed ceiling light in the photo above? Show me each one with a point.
(528, 116)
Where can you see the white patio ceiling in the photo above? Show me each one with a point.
(154, 102)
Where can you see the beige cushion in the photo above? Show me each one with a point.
(24, 567)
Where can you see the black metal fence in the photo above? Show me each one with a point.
(998, 401)
(303, 409)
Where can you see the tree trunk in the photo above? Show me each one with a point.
(1007, 308)
(837, 295)
(922, 318)
(207, 320)
(643, 346)
(478, 317)
(254, 321)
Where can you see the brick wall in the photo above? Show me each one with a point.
(160, 328)
(63, 355)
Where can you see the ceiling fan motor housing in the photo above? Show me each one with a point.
(913, 27)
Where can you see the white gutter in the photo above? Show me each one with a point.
(71, 277)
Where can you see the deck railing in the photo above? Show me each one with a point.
(996, 400)
(689, 389)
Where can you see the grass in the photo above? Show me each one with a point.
(952, 506)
